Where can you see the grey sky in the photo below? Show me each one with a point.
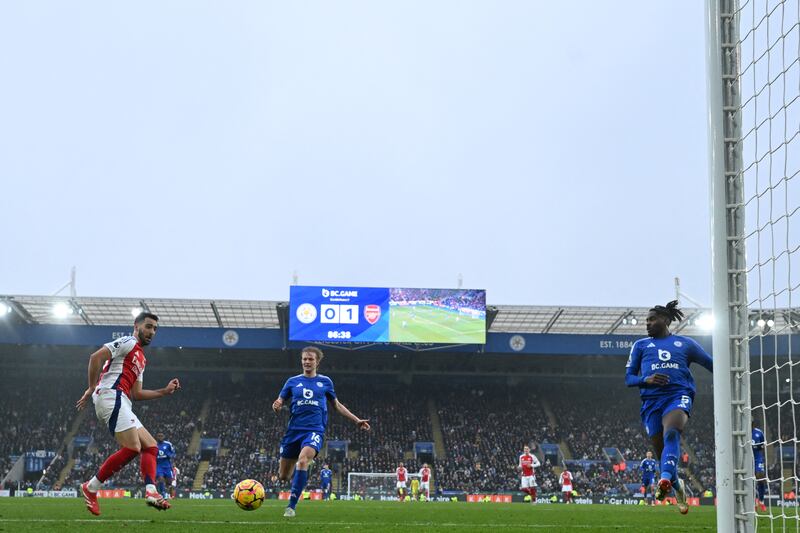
(551, 153)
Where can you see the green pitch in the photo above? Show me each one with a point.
(201, 516)
(428, 324)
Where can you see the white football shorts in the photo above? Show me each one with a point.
(113, 408)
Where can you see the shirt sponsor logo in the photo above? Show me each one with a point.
(657, 366)
(308, 402)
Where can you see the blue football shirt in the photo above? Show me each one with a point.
(670, 355)
(758, 439)
(165, 453)
(309, 406)
(326, 475)
(648, 466)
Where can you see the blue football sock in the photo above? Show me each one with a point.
(298, 484)
(161, 487)
(669, 457)
(762, 489)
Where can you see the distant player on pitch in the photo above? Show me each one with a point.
(566, 485)
(116, 372)
(649, 467)
(402, 477)
(760, 466)
(164, 473)
(174, 488)
(309, 394)
(425, 481)
(325, 478)
(526, 465)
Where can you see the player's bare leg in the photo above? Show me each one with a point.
(130, 448)
(148, 456)
(286, 468)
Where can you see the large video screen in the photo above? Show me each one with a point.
(360, 314)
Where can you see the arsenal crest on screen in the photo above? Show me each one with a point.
(372, 313)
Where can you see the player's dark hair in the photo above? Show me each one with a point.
(144, 315)
(670, 311)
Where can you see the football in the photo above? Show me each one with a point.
(249, 494)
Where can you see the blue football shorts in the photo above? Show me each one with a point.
(654, 409)
(296, 439)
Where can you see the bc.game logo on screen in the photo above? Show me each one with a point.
(372, 313)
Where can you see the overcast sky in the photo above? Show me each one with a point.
(550, 152)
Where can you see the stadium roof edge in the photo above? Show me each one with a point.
(590, 320)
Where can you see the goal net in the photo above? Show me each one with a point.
(754, 124)
(376, 485)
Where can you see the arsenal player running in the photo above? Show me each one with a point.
(115, 378)
(402, 476)
(566, 486)
(425, 481)
(527, 463)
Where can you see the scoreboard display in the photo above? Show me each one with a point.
(369, 314)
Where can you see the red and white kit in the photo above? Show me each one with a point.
(112, 396)
(402, 475)
(566, 481)
(528, 461)
(175, 473)
(425, 479)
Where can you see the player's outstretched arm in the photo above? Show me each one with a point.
(139, 394)
(96, 362)
(345, 412)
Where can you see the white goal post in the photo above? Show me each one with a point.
(376, 484)
(753, 81)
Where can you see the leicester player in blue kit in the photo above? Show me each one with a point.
(164, 463)
(659, 366)
(649, 467)
(309, 394)
(760, 466)
(325, 477)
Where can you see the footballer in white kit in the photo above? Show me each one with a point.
(115, 378)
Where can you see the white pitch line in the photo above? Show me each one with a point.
(329, 524)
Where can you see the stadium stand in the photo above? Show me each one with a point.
(483, 428)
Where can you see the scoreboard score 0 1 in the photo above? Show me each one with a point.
(368, 314)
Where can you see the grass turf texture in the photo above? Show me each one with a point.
(200, 516)
(429, 324)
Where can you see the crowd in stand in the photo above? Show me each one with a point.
(484, 432)
(483, 429)
(453, 299)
